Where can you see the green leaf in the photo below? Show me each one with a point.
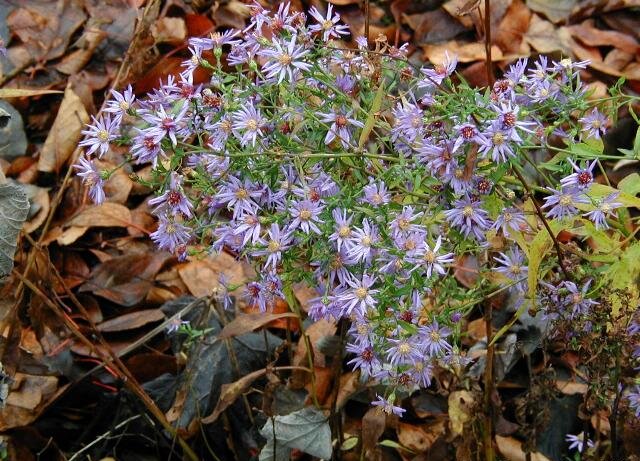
(14, 207)
(541, 244)
(371, 119)
(591, 148)
(494, 205)
(603, 240)
(630, 184)
(625, 274)
(349, 444)
(306, 430)
(599, 191)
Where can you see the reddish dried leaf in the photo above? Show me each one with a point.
(150, 365)
(374, 423)
(279, 307)
(198, 25)
(510, 33)
(433, 27)
(592, 36)
(420, 438)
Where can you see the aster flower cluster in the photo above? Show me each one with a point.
(350, 171)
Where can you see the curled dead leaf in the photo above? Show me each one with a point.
(64, 135)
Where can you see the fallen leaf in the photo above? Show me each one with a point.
(420, 438)
(466, 52)
(509, 34)
(131, 321)
(169, 30)
(230, 392)
(45, 28)
(460, 407)
(23, 92)
(67, 236)
(555, 10)
(201, 276)
(106, 215)
(374, 423)
(433, 26)
(26, 400)
(592, 36)
(14, 208)
(511, 449)
(41, 199)
(245, 323)
(545, 38)
(64, 135)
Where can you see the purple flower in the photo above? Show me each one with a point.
(284, 60)
(215, 40)
(409, 121)
(239, 195)
(433, 339)
(562, 203)
(388, 407)
(439, 72)
(634, 400)
(165, 124)
(339, 128)
(91, 178)
(594, 124)
(247, 124)
(328, 25)
(577, 299)
(360, 247)
(359, 296)
(173, 200)
(403, 352)
(468, 217)
(581, 178)
(576, 442)
(510, 219)
(342, 232)
(248, 225)
(255, 295)
(403, 224)
(171, 235)
(365, 358)
(605, 208)
(468, 132)
(375, 193)
(421, 373)
(146, 148)
(305, 216)
(174, 325)
(278, 241)
(99, 135)
(431, 259)
(513, 266)
(121, 104)
(497, 142)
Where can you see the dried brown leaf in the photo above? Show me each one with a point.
(511, 30)
(588, 34)
(545, 38)
(555, 10)
(230, 392)
(433, 26)
(201, 277)
(169, 30)
(64, 135)
(512, 450)
(374, 423)
(246, 323)
(106, 215)
(420, 438)
(466, 52)
(131, 321)
(460, 407)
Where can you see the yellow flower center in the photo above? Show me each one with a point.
(565, 200)
(252, 124)
(498, 138)
(242, 194)
(103, 135)
(404, 348)
(365, 241)
(467, 211)
(305, 215)
(430, 256)
(361, 293)
(344, 231)
(273, 246)
(285, 59)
